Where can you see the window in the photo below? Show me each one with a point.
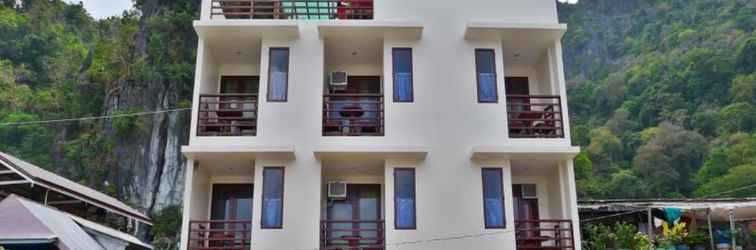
(278, 74)
(493, 198)
(404, 198)
(485, 68)
(402, 74)
(272, 197)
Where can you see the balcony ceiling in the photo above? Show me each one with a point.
(354, 166)
(522, 43)
(525, 152)
(238, 41)
(409, 30)
(349, 49)
(534, 167)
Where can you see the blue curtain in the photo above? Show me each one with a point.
(272, 216)
(403, 86)
(487, 87)
(494, 212)
(405, 208)
(278, 81)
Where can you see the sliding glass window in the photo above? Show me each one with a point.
(404, 198)
(493, 198)
(278, 75)
(485, 68)
(403, 91)
(272, 197)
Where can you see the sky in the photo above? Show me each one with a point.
(100, 9)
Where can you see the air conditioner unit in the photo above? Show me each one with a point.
(337, 190)
(529, 191)
(339, 80)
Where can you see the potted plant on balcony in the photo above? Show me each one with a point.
(672, 238)
(696, 240)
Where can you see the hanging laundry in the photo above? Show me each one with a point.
(672, 214)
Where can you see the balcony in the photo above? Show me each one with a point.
(544, 234)
(535, 116)
(352, 234)
(220, 234)
(291, 9)
(353, 115)
(227, 115)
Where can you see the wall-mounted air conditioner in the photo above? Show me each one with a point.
(529, 191)
(338, 80)
(337, 190)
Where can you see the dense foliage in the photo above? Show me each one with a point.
(57, 62)
(662, 92)
(662, 96)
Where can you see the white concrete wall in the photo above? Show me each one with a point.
(444, 117)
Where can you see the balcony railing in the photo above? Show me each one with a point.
(535, 116)
(227, 115)
(352, 235)
(220, 234)
(353, 115)
(292, 9)
(544, 234)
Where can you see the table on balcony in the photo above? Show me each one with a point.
(227, 115)
(353, 115)
(220, 234)
(544, 234)
(361, 234)
(535, 116)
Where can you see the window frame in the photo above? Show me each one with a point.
(477, 75)
(411, 71)
(262, 199)
(500, 173)
(269, 98)
(414, 199)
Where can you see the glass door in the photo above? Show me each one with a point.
(231, 214)
(356, 220)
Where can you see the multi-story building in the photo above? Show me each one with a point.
(379, 124)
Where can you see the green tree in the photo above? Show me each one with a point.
(735, 183)
(743, 89)
(669, 160)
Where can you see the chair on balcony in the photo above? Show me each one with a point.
(355, 9)
(548, 126)
(209, 121)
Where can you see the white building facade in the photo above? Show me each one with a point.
(379, 124)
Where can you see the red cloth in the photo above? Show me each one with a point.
(349, 8)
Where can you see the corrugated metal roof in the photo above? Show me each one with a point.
(59, 225)
(44, 177)
(109, 231)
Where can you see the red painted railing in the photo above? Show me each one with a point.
(353, 115)
(227, 115)
(220, 234)
(535, 116)
(292, 9)
(352, 235)
(544, 234)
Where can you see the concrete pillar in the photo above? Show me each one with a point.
(573, 205)
(190, 167)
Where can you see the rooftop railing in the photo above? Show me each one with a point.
(292, 9)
